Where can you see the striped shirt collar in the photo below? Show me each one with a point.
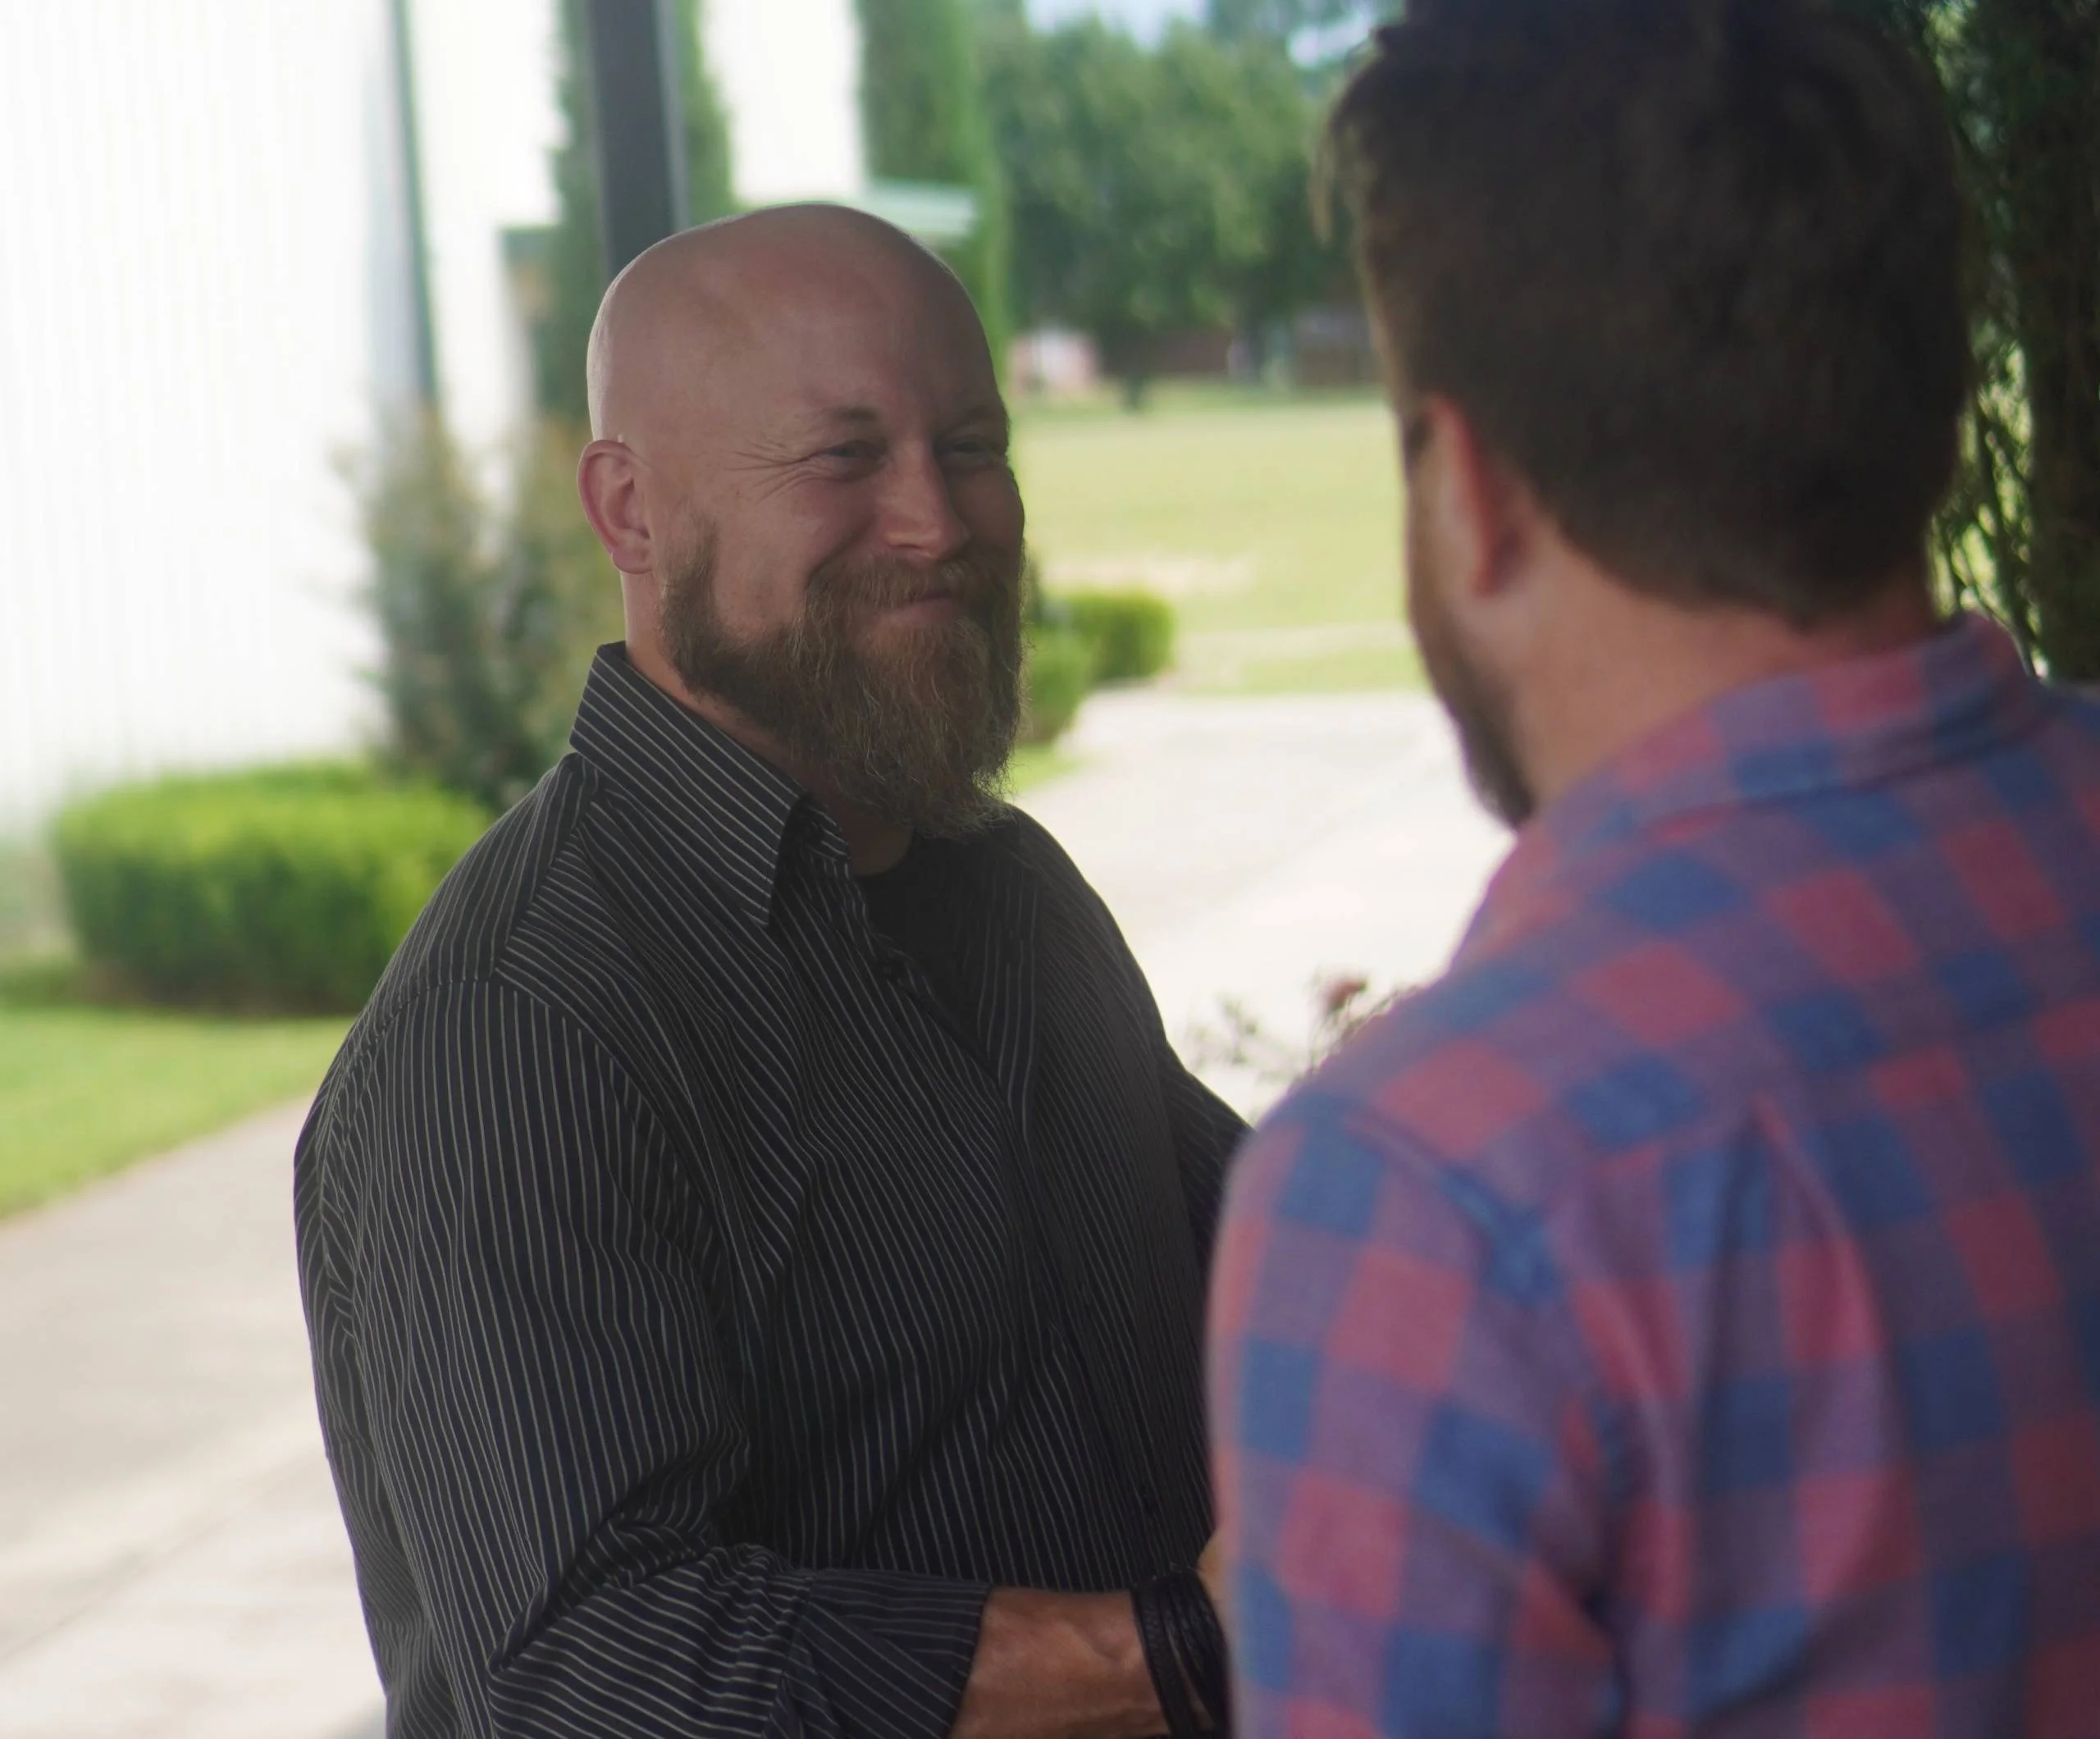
(1843, 726)
(730, 811)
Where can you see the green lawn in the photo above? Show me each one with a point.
(1271, 523)
(84, 1089)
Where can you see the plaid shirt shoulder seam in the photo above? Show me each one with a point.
(1328, 1115)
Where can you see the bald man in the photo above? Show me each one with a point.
(754, 1244)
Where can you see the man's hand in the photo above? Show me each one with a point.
(1067, 1666)
(1059, 1665)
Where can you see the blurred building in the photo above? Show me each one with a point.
(1053, 363)
(206, 300)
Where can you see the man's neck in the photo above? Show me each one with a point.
(1638, 663)
(872, 844)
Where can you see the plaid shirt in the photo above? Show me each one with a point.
(1684, 1318)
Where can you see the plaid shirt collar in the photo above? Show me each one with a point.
(1843, 726)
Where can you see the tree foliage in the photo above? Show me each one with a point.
(2020, 535)
(574, 261)
(1280, 21)
(1153, 190)
(923, 115)
(2027, 79)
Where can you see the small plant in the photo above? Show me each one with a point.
(1343, 1005)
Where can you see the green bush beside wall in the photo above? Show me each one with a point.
(1059, 671)
(1131, 632)
(288, 888)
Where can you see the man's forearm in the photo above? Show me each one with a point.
(1059, 1665)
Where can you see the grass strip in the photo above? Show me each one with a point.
(86, 1090)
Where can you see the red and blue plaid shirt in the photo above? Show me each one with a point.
(1684, 1318)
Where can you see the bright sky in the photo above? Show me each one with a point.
(1146, 17)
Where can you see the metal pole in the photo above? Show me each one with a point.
(412, 197)
(639, 120)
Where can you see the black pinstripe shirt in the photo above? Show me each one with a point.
(705, 1314)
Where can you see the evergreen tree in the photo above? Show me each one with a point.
(574, 261)
(486, 626)
(923, 114)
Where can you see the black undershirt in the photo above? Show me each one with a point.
(912, 907)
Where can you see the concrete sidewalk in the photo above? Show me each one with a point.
(1249, 848)
(172, 1565)
(171, 1562)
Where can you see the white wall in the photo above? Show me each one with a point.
(788, 74)
(202, 300)
(485, 72)
(187, 328)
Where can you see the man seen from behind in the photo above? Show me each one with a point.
(1683, 1318)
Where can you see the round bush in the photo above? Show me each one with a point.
(288, 887)
(1131, 632)
(1060, 671)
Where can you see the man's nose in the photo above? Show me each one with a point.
(919, 512)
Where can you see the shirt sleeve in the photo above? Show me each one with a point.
(1408, 1452)
(557, 1434)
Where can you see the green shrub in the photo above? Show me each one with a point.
(1060, 671)
(287, 886)
(488, 615)
(1131, 632)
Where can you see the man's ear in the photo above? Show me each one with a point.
(609, 481)
(1484, 515)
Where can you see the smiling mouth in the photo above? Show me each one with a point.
(928, 607)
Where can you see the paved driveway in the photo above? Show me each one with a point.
(1249, 848)
(172, 1563)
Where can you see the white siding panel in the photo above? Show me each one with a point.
(190, 284)
(788, 73)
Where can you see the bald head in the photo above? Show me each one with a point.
(681, 310)
(799, 469)
(793, 405)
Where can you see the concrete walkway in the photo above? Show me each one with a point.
(1251, 848)
(171, 1563)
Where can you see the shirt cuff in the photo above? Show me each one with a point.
(882, 1656)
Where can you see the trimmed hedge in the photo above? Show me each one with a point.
(1131, 632)
(1059, 671)
(288, 887)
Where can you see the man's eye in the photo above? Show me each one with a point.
(857, 452)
